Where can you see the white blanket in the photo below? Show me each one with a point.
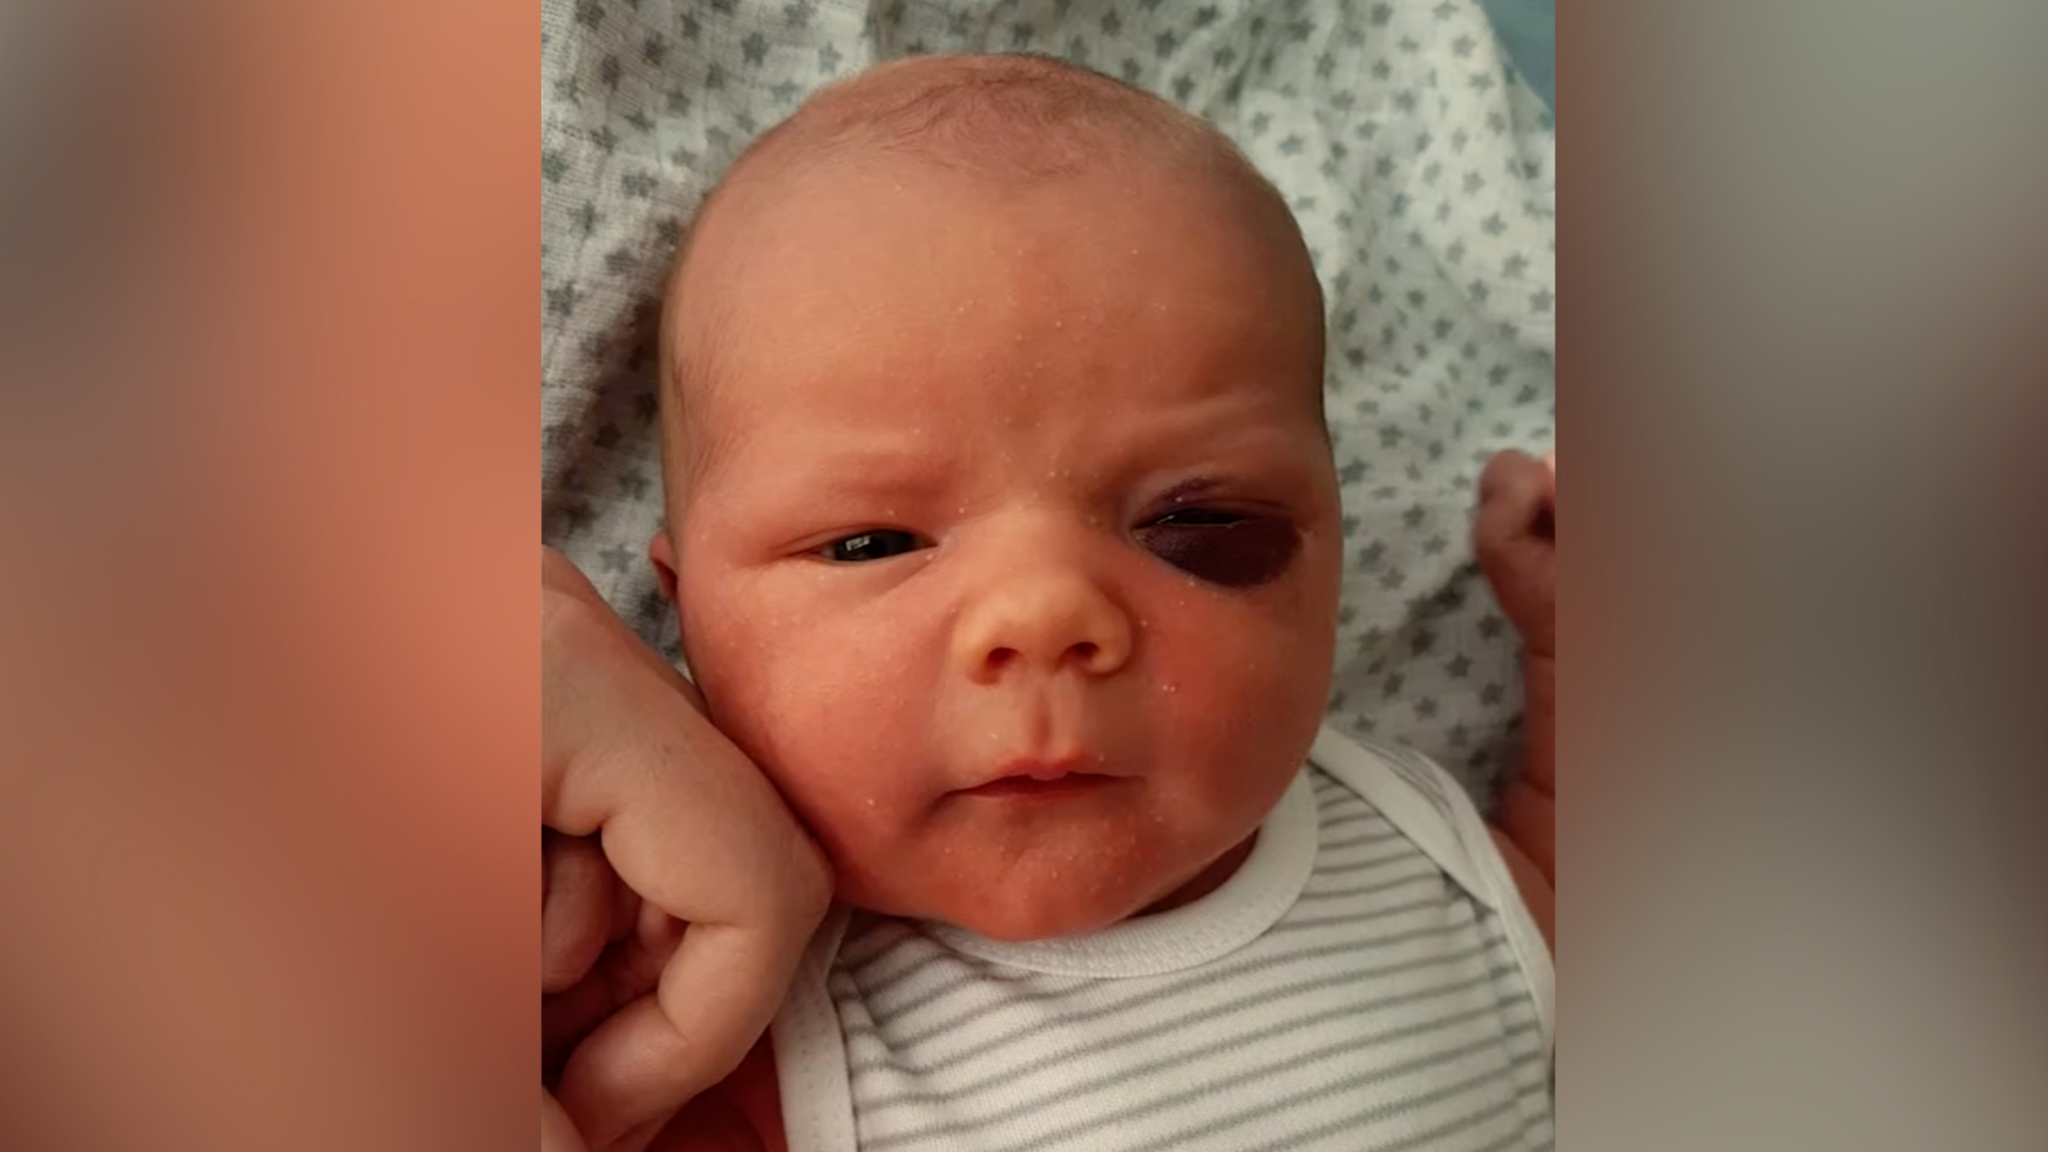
(1420, 166)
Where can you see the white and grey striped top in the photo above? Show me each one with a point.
(1369, 979)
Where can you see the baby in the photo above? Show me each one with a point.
(1005, 534)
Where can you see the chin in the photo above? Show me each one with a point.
(1055, 910)
(1052, 919)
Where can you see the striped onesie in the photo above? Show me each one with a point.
(1368, 979)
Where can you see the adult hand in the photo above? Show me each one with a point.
(677, 890)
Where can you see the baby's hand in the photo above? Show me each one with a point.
(1516, 540)
(678, 892)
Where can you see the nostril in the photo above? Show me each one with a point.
(1000, 658)
(1086, 651)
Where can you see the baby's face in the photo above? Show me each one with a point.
(1012, 554)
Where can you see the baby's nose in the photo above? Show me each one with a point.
(1048, 619)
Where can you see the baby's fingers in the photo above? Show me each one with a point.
(1517, 500)
(697, 832)
(557, 1134)
(1515, 538)
(575, 908)
(691, 825)
(660, 1051)
(708, 842)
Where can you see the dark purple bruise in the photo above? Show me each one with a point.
(1243, 554)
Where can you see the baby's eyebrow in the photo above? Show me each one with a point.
(871, 467)
(847, 476)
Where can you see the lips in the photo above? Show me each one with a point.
(1023, 778)
(1025, 786)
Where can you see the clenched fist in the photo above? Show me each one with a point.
(677, 890)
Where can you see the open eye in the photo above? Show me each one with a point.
(863, 547)
(1235, 550)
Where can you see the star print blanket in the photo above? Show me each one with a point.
(1421, 167)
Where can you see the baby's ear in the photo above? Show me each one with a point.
(663, 554)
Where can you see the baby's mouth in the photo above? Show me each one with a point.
(1066, 784)
(1037, 778)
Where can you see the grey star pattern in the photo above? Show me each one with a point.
(575, 517)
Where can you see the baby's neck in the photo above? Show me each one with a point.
(1208, 879)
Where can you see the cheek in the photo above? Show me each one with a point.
(825, 701)
(1221, 661)
(1215, 678)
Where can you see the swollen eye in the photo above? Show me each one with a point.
(1222, 547)
(865, 546)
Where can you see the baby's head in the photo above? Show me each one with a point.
(1000, 505)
